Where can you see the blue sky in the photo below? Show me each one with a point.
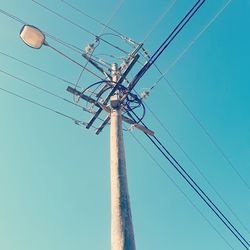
(54, 175)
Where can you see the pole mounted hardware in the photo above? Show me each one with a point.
(113, 93)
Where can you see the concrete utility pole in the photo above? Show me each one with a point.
(115, 104)
(122, 233)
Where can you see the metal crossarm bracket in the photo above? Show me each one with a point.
(88, 58)
(108, 110)
(124, 74)
(117, 80)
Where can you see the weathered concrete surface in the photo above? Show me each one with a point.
(122, 233)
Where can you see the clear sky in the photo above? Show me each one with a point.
(54, 175)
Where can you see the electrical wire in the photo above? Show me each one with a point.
(99, 35)
(38, 104)
(157, 143)
(74, 61)
(12, 16)
(41, 89)
(184, 51)
(37, 68)
(179, 188)
(84, 68)
(98, 21)
(167, 42)
(207, 133)
(106, 25)
(176, 31)
(197, 168)
(65, 44)
(159, 20)
(163, 76)
(78, 25)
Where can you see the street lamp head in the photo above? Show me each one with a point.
(32, 36)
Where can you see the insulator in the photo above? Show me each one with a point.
(89, 48)
(145, 94)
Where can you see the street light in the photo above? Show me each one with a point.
(32, 36)
(35, 38)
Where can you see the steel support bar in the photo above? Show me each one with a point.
(97, 66)
(108, 110)
(133, 61)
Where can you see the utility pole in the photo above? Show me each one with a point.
(122, 233)
(116, 104)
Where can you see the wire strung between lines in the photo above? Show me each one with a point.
(210, 137)
(180, 190)
(163, 76)
(97, 21)
(197, 168)
(41, 89)
(78, 25)
(12, 16)
(176, 30)
(65, 44)
(38, 104)
(168, 41)
(185, 50)
(37, 68)
(84, 68)
(74, 61)
(76, 121)
(194, 185)
(92, 52)
(159, 20)
(99, 35)
(106, 25)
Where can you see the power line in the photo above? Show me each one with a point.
(159, 20)
(157, 143)
(65, 44)
(180, 190)
(97, 21)
(78, 25)
(41, 89)
(76, 121)
(12, 16)
(37, 68)
(94, 48)
(74, 61)
(163, 76)
(197, 168)
(38, 104)
(184, 51)
(210, 137)
(167, 42)
(176, 30)
(106, 25)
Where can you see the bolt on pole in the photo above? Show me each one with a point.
(122, 233)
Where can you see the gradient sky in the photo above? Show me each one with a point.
(54, 175)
